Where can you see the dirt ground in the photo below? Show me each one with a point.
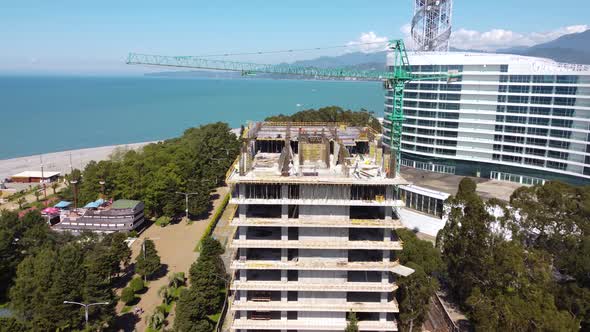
(175, 244)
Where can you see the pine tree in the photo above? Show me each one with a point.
(352, 325)
(147, 261)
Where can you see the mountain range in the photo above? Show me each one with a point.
(570, 48)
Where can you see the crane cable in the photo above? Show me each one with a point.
(291, 50)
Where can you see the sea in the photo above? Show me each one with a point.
(50, 114)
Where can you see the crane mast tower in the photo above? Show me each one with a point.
(431, 24)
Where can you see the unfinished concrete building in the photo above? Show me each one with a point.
(316, 224)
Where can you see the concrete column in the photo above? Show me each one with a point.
(284, 207)
(387, 234)
(384, 277)
(283, 316)
(388, 212)
(386, 257)
(284, 255)
(243, 276)
(284, 277)
(242, 231)
(384, 297)
(283, 296)
(242, 212)
(389, 193)
(243, 253)
(382, 316)
(284, 233)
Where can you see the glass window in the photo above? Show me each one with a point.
(541, 100)
(519, 89)
(499, 118)
(518, 99)
(564, 101)
(503, 78)
(539, 121)
(426, 104)
(517, 109)
(557, 155)
(428, 86)
(426, 123)
(512, 159)
(556, 165)
(502, 88)
(560, 133)
(559, 144)
(537, 131)
(513, 129)
(443, 124)
(534, 162)
(547, 90)
(536, 152)
(513, 139)
(512, 149)
(567, 79)
(561, 123)
(563, 112)
(500, 108)
(565, 90)
(504, 68)
(536, 141)
(520, 78)
(427, 114)
(540, 110)
(515, 119)
(501, 99)
(544, 79)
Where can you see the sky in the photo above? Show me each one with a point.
(94, 37)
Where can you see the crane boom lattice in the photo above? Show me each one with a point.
(395, 78)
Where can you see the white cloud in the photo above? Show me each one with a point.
(369, 42)
(500, 38)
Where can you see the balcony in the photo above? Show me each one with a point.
(312, 325)
(336, 286)
(317, 201)
(391, 306)
(319, 222)
(318, 244)
(317, 265)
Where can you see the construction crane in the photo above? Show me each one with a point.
(395, 79)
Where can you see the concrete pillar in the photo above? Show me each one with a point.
(243, 254)
(284, 277)
(382, 316)
(242, 231)
(388, 213)
(387, 234)
(284, 255)
(386, 257)
(284, 233)
(283, 316)
(383, 297)
(284, 207)
(242, 212)
(243, 275)
(283, 296)
(384, 277)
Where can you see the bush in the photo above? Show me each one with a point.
(133, 233)
(137, 284)
(163, 221)
(127, 295)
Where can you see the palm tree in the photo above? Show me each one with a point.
(156, 321)
(165, 293)
(20, 202)
(54, 186)
(176, 279)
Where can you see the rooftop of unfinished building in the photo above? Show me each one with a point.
(311, 152)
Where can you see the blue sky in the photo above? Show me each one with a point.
(74, 36)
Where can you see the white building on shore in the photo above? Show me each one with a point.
(513, 118)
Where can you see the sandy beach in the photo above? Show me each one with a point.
(60, 161)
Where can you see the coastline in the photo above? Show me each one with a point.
(60, 161)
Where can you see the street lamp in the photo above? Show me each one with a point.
(102, 182)
(74, 182)
(186, 195)
(86, 307)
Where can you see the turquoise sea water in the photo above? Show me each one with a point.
(48, 114)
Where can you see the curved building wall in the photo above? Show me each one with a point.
(509, 117)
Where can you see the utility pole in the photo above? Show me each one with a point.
(86, 307)
(43, 177)
(74, 183)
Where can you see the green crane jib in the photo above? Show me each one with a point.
(395, 79)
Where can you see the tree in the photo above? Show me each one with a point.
(414, 296)
(127, 295)
(54, 186)
(190, 312)
(166, 294)
(136, 284)
(352, 324)
(176, 280)
(156, 321)
(20, 201)
(466, 188)
(147, 261)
